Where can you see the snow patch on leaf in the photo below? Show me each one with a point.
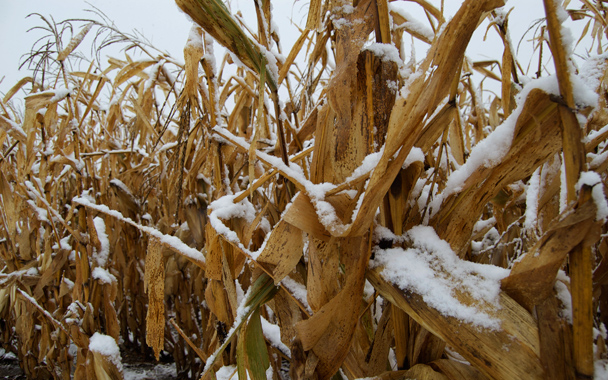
(593, 179)
(431, 269)
(106, 345)
(101, 257)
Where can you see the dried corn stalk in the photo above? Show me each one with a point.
(272, 191)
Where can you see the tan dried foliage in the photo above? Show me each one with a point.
(154, 285)
(230, 189)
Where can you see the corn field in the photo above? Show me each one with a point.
(332, 211)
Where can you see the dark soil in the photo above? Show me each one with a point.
(146, 368)
(135, 366)
(10, 370)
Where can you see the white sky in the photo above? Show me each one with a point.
(159, 20)
(167, 28)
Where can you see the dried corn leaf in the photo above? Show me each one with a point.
(406, 118)
(215, 19)
(40, 100)
(329, 331)
(455, 370)
(419, 371)
(484, 349)
(13, 90)
(539, 117)
(532, 278)
(283, 249)
(74, 42)
(154, 285)
(101, 365)
(340, 114)
(293, 53)
(314, 15)
(132, 69)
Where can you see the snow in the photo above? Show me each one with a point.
(566, 34)
(101, 257)
(69, 283)
(118, 183)
(358, 205)
(562, 15)
(341, 23)
(272, 333)
(209, 54)
(238, 62)
(242, 312)
(487, 153)
(240, 295)
(584, 94)
(298, 291)
(7, 355)
(228, 372)
(386, 52)
(40, 212)
(12, 127)
(346, 9)
(60, 94)
(327, 214)
(532, 197)
(563, 189)
(367, 165)
(174, 242)
(158, 371)
(593, 179)
(153, 74)
(412, 23)
(371, 161)
(563, 294)
(597, 159)
(384, 233)
(274, 29)
(592, 70)
(415, 155)
(432, 270)
(271, 63)
(393, 86)
(325, 211)
(225, 208)
(489, 241)
(74, 307)
(33, 301)
(483, 224)
(103, 275)
(79, 165)
(195, 39)
(106, 346)
(167, 146)
(593, 134)
(601, 369)
(490, 151)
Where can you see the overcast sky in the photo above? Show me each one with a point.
(160, 21)
(167, 28)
